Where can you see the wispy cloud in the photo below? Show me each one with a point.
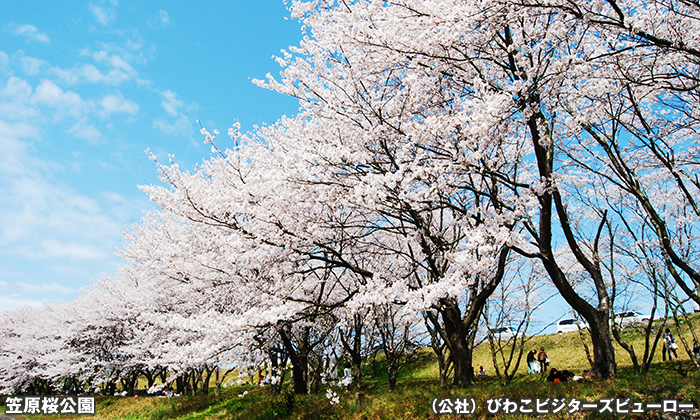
(170, 103)
(30, 32)
(119, 70)
(180, 126)
(65, 102)
(32, 66)
(43, 288)
(180, 123)
(15, 101)
(86, 131)
(164, 18)
(104, 16)
(11, 301)
(116, 104)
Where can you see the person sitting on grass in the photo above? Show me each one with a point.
(555, 376)
(577, 378)
(482, 372)
(568, 376)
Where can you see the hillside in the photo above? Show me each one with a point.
(418, 386)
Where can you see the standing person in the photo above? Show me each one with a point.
(347, 377)
(669, 345)
(544, 361)
(531, 360)
(696, 349)
(333, 367)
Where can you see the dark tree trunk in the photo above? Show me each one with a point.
(456, 339)
(180, 382)
(204, 390)
(300, 362)
(458, 330)
(603, 351)
(129, 382)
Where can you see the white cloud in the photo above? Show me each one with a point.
(31, 65)
(48, 93)
(102, 15)
(120, 70)
(55, 248)
(14, 100)
(114, 61)
(17, 89)
(86, 132)
(30, 32)
(180, 126)
(19, 293)
(4, 59)
(12, 301)
(91, 74)
(164, 18)
(51, 233)
(112, 104)
(170, 103)
(42, 220)
(52, 288)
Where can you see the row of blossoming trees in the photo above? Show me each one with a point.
(438, 145)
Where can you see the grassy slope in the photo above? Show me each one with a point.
(417, 387)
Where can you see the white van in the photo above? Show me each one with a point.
(504, 333)
(569, 325)
(631, 318)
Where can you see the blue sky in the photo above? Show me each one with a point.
(85, 88)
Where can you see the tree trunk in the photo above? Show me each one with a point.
(456, 339)
(598, 319)
(180, 382)
(299, 374)
(300, 363)
(603, 351)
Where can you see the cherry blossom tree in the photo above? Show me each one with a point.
(643, 124)
(517, 85)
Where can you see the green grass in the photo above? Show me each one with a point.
(418, 385)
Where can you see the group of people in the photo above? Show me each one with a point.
(537, 362)
(556, 376)
(670, 347)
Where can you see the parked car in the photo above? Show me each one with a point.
(569, 325)
(630, 318)
(504, 333)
